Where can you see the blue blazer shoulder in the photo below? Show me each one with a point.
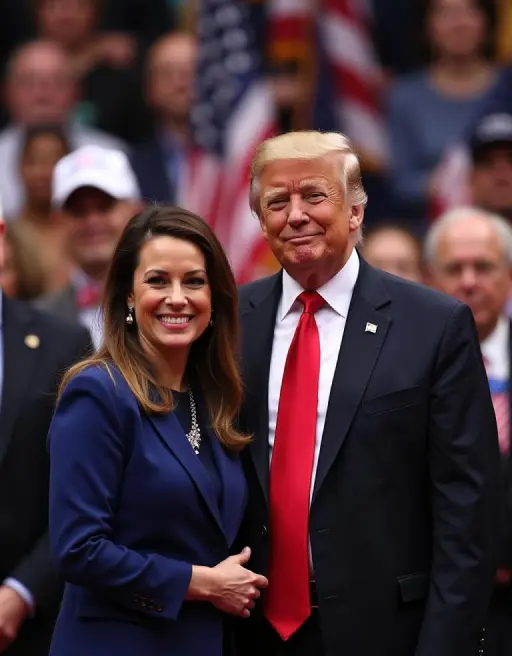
(132, 508)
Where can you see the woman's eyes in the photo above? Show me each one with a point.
(159, 281)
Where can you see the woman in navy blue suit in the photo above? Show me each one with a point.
(146, 491)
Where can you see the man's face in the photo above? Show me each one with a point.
(171, 76)
(491, 180)
(95, 221)
(67, 22)
(470, 265)
(40, 87)
(396, 252)
(305, 218)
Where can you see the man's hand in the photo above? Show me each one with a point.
(13, 610)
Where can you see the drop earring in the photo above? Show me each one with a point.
(129, 316)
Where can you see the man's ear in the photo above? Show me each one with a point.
(356, 216)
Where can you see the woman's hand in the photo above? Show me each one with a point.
(229, 586)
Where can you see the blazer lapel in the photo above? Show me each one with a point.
(171, 432)
(234, 492)
(357, 357)
(258, 330)
(21, 352)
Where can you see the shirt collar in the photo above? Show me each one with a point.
(337, 292)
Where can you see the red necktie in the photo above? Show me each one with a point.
(287, 604)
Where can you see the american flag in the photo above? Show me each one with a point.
(233, 113)
(348, 72)
(450, 182)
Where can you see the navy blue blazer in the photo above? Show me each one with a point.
(131, 509)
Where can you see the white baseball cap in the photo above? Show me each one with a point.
(93, 166)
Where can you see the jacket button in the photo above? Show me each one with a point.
(264, 531)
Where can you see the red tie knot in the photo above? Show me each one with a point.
(312, 301)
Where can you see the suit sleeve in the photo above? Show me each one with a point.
(464, 474)
(89, 445)
(36, 571)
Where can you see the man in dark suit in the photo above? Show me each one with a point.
(373, 470)
(469, 255)
(34, 351)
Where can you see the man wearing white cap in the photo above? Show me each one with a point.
(97, 192)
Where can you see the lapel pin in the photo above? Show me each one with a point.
(370, 328)
(32, 341)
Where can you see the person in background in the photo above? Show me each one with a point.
(106, 66)
(158, 161)
(490, 171)
(40, 89)
(146, 488)
(42, 148)
(395, 249)
(22, 274)
(373, 432)
(35, 349)
(431, 110)
(96, 192)
(469, 256)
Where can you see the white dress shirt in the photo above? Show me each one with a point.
(330, 319)
(495, 350)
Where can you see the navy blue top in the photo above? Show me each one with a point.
(206, 456)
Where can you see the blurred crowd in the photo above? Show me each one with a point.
(123, 75)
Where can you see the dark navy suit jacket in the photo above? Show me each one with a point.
(131, 509)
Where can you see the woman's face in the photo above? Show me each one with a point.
(456, 28)
(8, 277)
(171, 296)
(39, 160)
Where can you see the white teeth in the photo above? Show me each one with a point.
(175, 320)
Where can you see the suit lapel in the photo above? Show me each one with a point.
(357, 358)
(21, 353)
(258, 324)
(233, 488)
(171, 432)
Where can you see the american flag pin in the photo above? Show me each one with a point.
(370, 328)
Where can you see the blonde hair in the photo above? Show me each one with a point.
(309, 144)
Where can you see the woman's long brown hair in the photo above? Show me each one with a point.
(213, 360)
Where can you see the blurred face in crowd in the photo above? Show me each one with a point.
(491, 180)
(95, 222)
(40, 87)
(456, 28)
(171, 295)
(38, 161)
(470, 265)
(171, 76)
(394, 251)
(67, 22)
(307, 220)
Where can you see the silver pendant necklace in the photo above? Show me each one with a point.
(194, 435)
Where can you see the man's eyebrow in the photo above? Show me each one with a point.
(273, 193)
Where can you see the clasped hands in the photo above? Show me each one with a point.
(229, 586)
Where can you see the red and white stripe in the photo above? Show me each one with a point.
(450, 182)
(218, 189)
(288, 26)
(345, 33)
